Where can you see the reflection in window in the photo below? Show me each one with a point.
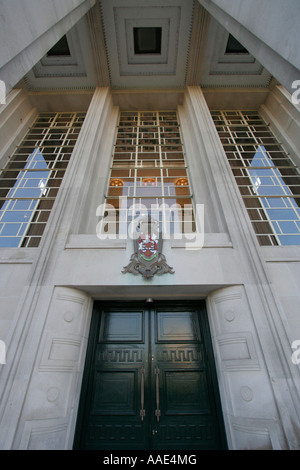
(22, 200)
(30, 181)
(267, 179)
(234, 46)
(61, 48)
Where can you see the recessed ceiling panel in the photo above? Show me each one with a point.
(162, 29)
(229, 69)
(63, 71)
(147, 40)
(133, 31)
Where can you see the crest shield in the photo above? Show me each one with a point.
(147, 258)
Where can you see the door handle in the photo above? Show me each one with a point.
(157, 411)
(142, 410)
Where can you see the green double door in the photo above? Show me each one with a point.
(149, 380)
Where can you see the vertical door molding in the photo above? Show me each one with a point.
(49, 410)
(249, 405)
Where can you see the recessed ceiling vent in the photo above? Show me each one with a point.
(61, 48)
(147, 40)
(234, 46)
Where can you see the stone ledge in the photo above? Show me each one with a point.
(279, 254)
(211, 240)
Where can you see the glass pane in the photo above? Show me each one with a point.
(149, 162)
(266, 176)
(30, 180)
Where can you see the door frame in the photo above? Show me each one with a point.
(91, 345)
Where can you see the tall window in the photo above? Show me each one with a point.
(149, 172)
(30, 181)
(268, 180)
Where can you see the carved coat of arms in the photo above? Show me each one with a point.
(147, 258)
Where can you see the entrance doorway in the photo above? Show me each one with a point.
(149, 380)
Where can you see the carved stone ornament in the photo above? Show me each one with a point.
(147, 258)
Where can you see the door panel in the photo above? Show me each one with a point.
(177, 327)
(186, 392)
(149, 381)
(188, 417)
(114, 392)
(120, 327)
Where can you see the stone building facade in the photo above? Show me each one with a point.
(110, 104)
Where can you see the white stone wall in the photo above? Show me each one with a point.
(16, 116)
(284, 270)
(283, 263)
(283, 116)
